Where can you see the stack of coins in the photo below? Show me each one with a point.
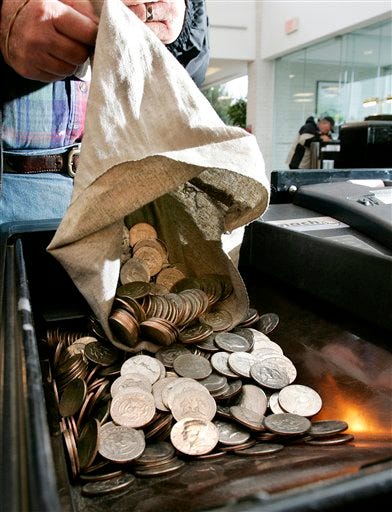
(195, 391)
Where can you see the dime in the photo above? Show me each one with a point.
(120, 444)
(135, 408)
(323, 428)
(232, 342)
(287, 423)
(299, 399)
(100, 488)
(192, 366)
(261, 449)
(194, 436)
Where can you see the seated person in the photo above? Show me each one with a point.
(299, 156)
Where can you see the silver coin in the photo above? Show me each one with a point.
(133, 409)
(287, 423)
(195, 404)
(232, 342)
(273, 403)
(167, 354)
(299, 399)
(330, 440)
(253, 398)
(219, 362)
(112, 485)
(194, 437)
(248, 418)
(323, 428)
(130, 380)
(261, 449)
(268, 374)
(214, 382)
(241, 363)
(157, 388)
(120, 444)
(146, 365)
(192, 366)
(230, 434)
(268, 322)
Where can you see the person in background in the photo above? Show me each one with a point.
(299, 156)
(45, 46)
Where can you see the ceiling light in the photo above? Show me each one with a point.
(370, 102)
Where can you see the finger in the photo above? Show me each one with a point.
(76, 26)
(84, 7)
(139, 10)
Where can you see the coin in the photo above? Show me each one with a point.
(195, 403)
(330, 440)
(151, 257)
(100, 488)
(134, 409)
(230, 434)
(241, 363)
(120, 444)
(87, 444)
(232, 342)
(141, 231)
(261, 449)
(130, 380)
(192, 366)
(169, 276)
(72, 398)
(143, 364)
(323, 428)
(253, 398)
(287, 423)
(214, 382)
(218, 319)
(248, 418)
(270, 374)
(300, 399)
(194, 436)
(268, 322)
(219, 361)
(155, 452)
(101, 354)
(167, 354)
(134, 270)
(157, 388)
(169, 467)
(273, 403)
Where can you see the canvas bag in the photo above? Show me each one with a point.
(154, 150)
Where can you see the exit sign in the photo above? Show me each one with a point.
(291, 25)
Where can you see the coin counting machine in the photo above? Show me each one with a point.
(320, 259)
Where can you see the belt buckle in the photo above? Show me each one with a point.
(73, 152)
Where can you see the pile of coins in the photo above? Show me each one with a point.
(193, 390)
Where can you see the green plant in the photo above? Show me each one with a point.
(237, 113)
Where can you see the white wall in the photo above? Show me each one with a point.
(232, 29)
(317, 20)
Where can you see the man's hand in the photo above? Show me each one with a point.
(48, 39)
(164, 17)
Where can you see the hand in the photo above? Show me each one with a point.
(48, 40)
(167, 16)
(325, 138)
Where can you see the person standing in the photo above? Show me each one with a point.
(299, 156)
(45, 48)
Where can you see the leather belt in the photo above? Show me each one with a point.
(65, 162)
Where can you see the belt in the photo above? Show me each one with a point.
(65, 162)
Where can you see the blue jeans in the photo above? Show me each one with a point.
(25, 197)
